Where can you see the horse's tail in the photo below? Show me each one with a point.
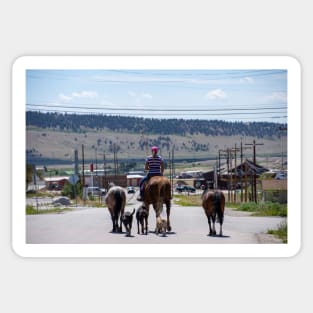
(165, 191)
(219, 203)
(119, 202)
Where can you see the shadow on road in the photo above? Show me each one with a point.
(218, 236)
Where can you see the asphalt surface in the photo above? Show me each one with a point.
(189, 226)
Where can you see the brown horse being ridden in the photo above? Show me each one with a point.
(155, 189)
(213, 203)
(158, 192)
(115, 199)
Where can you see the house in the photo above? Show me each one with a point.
(55, 183)
(275, 190)
(134, 179)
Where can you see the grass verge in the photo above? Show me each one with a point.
(281, 232)
(185, 200)
(263, 208)
(31, 210)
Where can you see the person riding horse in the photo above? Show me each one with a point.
(155, 167)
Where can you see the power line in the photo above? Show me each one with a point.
(225, 116)
(57, 106)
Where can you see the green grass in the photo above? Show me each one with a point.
(257, 209)
(185, 200)
(264, 208)
(34, 194)
(281, 232)
(31, 210)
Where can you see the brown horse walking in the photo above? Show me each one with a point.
(115, 199)
(213, 203)
(158, 192)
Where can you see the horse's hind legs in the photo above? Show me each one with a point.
(212, 227)
(221, 225)
(114, 229)
(168, 211)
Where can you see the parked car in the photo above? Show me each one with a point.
(179, 188)
(189, 189)
(96, 191)
(281, 175)
(185, 188)
(131, 189)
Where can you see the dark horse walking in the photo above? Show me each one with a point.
(115, 199)
(213, 203)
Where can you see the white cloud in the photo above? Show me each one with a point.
(146, 96)
(65, 98)
(79, 95)
(216, 94)
(276, 97)
(139, 96)
(84, 94)
(132, 93)
(247, 79)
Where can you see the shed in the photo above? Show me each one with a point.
(275, 190)
(134, 180)
(55, 183)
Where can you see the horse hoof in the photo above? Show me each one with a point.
(169, 228)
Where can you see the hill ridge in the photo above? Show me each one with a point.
(80, 122)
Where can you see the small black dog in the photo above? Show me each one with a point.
(127, 220)
(142, 218)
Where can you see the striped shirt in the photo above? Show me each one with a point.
(154, 165)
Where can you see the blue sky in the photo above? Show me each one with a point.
(232, 95)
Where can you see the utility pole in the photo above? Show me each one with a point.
(173, 168)
(83, 157)
(96, 167)
(246, 181)
(218, 169)
(231, 174)
(254, 191)
(104, 172)
(171, 171)
(115, 159)
(282, 151)
(228, 182)
(235, 150)
(241, 161)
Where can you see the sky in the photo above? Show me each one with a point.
(231, 95)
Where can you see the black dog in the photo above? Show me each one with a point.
(142, 218)
(127, 220)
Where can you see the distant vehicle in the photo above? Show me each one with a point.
(281, 175)
(55, 186)
(189, 188)
(184, 176)
(131, 189)
(96, 191)
(179, 188)
(185, 188)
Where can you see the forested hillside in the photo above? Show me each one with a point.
(80, 122)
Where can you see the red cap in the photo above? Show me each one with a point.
(154, 149)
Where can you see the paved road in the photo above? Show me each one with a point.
(189, 225)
